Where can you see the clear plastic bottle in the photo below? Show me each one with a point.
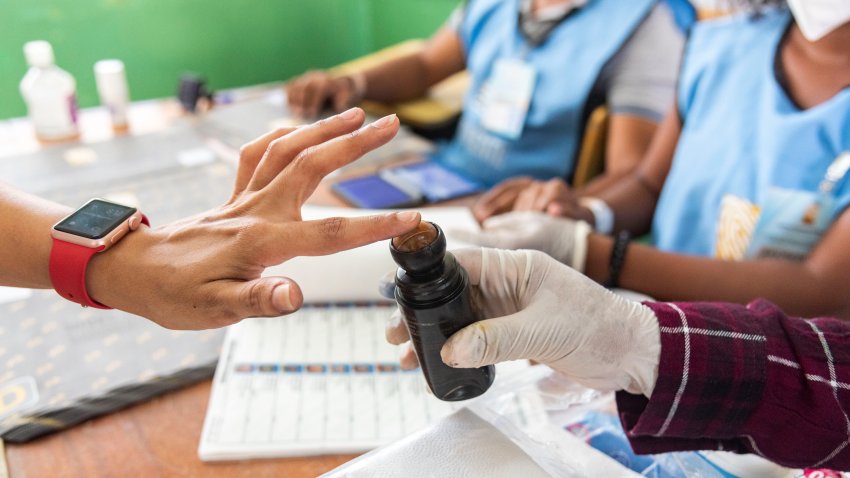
(50, 94)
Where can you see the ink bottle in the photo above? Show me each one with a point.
(433, 293)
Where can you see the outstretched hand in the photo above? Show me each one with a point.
(205, 271)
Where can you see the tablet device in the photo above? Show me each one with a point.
(374, 192)
(434, 182)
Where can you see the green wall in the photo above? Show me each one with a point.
(231, 42)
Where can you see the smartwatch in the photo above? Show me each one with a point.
(93, 228)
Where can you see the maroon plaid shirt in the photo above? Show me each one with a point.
(749, 380)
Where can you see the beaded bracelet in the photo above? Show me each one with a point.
(618, 258)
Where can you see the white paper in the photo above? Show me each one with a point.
(353, 276)
(13, 294)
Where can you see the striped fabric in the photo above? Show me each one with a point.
(748, 380)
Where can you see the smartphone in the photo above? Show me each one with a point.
(434, 182)
(375, 192)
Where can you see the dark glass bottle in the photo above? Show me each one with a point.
(432, 291)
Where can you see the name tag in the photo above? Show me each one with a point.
(506, 96)
(791, 223)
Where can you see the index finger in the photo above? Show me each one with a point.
(331, 235)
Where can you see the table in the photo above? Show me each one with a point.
(158, 437)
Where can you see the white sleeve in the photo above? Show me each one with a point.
(456, 17)
(641, 78)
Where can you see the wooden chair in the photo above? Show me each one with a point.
(591, 157)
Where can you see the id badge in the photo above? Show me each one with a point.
(506, 97)
(791, 224)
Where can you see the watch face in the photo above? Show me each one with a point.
(95, 219)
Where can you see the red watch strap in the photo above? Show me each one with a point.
(68, 265)
(68, 274)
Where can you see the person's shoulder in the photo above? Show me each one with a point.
(724, 40)
(476, 12)
(478, 7)
(741, 25)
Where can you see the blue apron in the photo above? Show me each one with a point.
(568, 64)
(742, 135)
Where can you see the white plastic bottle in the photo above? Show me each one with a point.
(111, 80)
(50, 94)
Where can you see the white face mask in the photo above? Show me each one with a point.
(817, 18)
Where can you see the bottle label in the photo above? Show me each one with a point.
(53, 117)
(73, 108)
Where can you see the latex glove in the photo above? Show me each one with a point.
(563, 239)
(205, 271)
(540, 309)
(308, 93)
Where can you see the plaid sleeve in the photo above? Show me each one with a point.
(749, 380)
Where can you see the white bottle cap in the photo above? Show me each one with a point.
(109, 68)
(38, 53)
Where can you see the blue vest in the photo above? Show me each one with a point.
(568, 64)
(742, 134)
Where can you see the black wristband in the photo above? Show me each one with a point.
(618, 258)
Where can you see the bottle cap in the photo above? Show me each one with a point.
(109, 68)
(38, 53)
(419, 250)
(111, 81)
(415, 240)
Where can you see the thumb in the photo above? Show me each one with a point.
(491, 341)
(263, 297)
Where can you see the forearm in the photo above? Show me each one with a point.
(634, 196)
(398, 80)
(25, 244)
(666, 276)
(411, 76)
(599, 184)
(632, 201)
(745, 379)
(629, 139)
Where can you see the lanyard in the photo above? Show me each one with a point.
(836, 172)
(536, 32)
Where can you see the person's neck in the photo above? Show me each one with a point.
(537, 5)
(834, 48)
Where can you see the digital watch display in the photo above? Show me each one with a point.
(96, 219)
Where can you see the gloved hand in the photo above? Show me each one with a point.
(539, 309)
(563, 239)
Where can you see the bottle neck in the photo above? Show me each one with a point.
(433, 287)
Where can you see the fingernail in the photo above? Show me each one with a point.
(281, 297)
(348, 114)
(447, 355)
(407, 216)
(388, 120)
